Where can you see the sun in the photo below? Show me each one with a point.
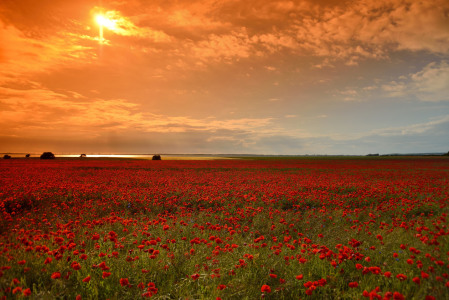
(105, 22)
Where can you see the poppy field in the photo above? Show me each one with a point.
(310, 228)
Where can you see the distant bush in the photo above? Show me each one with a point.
(27, 156)
(47, 155)
(83, 155)
(6, 156)
(156, 157)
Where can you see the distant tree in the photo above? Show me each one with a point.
(447, 154)
(373, 154)
(6, 156)
(156, 157)
(47, 155)
(27, 156)
(83, 155)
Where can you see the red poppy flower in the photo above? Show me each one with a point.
(398, 296)
(401, 277)
(106, 274)
(75, 265)
(310, 290)
(87, 279)
(56, 275)
(265, 289)
(124, 281)
(26, 292)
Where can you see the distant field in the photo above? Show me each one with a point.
(272, 228)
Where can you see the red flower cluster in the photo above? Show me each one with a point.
(122, 221)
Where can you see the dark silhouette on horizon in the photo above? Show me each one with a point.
(47, 155)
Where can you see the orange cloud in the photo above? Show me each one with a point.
(23, 55)
(221, 31)
(233, 45)
(370, 29)
(118, 24)
(29, 111)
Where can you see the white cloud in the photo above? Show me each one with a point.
(431, 84)
(350, 95)
(395, 89)
(413, 129)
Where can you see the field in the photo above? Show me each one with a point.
(366, 228)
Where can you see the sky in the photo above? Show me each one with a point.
(224, 76)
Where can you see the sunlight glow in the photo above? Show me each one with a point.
(105, 22)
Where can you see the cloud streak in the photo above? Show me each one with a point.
(32, 110)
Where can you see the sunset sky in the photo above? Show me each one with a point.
(224, 76)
